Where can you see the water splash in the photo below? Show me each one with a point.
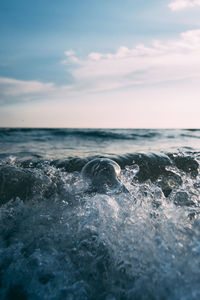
(61, 242)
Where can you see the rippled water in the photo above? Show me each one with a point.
(98, 234)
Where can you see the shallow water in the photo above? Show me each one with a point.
(63, 238)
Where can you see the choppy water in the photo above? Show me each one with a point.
(67, 234)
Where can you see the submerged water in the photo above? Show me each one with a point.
(98, 234)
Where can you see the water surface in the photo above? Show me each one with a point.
(63, 238)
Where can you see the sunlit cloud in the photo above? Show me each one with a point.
(182, 4)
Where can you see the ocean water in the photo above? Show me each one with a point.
(99, 214)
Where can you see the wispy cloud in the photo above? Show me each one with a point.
(162, 61)
(13, 90)
(13, 87)
(70, 57)
(176, 5)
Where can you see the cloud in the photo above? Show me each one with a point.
(13, 90)
(13, 87)
(163, 61)
(176, 5)
(69, 53)
(70, 57)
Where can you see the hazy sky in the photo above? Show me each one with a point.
(92, 63)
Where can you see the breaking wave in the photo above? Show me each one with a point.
(61, 240)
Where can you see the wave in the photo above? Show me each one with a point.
(22, 177)
(58, 240)
(85, 133)
(190, 135)
(105, 134)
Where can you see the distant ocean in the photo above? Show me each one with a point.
(99, 214)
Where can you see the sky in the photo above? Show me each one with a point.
(100, 64)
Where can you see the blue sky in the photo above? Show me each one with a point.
(132, 63)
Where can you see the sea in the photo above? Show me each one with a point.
(99, 214)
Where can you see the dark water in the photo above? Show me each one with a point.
(99, 234)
